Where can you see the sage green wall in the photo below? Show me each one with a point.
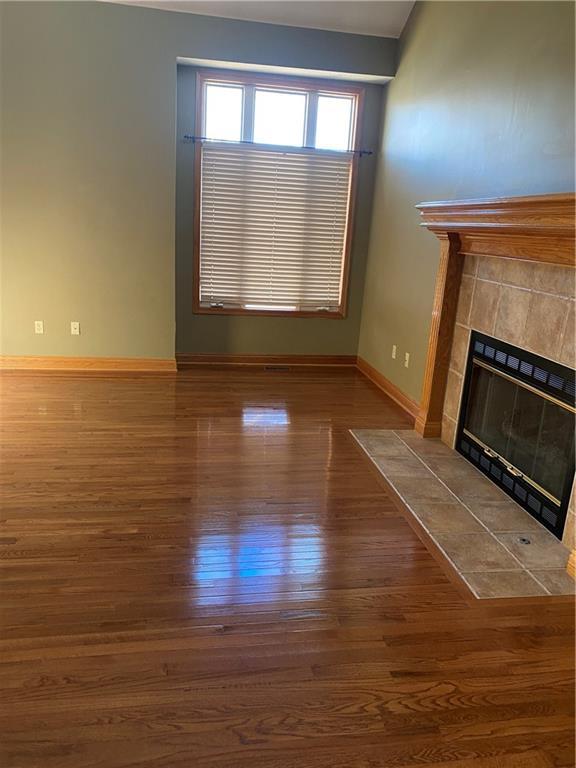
(268, 335)
(88, 173)
(482, 105)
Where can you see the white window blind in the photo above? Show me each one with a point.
(273, 227)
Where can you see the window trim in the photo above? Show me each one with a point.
(278, 82)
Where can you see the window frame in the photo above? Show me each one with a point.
(321, 86)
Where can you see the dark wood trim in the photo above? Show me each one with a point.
(290, 83)
(262, 361)
(52, 363)
(410, 406)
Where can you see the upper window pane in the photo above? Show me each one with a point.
(279, 117)
(223, 112)
(334, 122)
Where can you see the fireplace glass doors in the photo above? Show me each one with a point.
(517, 425)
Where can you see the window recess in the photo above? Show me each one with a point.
(275, 173)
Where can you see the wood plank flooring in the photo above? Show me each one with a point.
(204, 570)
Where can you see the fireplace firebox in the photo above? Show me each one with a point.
(516, 425)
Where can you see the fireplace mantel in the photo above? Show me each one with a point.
(538, 228)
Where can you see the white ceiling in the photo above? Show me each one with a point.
(382, 18)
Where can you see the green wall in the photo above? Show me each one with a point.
(93, 168)
(482, 105)
(88, 141)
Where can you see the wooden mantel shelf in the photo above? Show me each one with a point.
(537, 228)
(536, 214)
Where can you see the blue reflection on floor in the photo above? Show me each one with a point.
(265, 417)
(284, 556)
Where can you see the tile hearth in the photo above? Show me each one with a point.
(496, 547)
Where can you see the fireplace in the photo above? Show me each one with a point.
(516, 425)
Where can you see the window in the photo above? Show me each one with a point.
(275, 176)
(223, 112)
(279, 117)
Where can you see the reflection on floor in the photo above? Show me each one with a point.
(204, 571)
(497, 548)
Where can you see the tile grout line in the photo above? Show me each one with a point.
(564, 296)
(472, 295)
(564, 329)
(477, 277)
(496, 311)
(524, 568)
(429, 532)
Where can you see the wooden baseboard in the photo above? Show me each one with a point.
(427, 428)
(406, 403)
(262, 361)
(50, 364)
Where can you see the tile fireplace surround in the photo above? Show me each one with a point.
(507, 270)
(530, 305)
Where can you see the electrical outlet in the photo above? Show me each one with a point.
(75, 328)
(38, 326)
(406, 359)
(393, 351)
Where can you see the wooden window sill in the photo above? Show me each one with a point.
(227, 311)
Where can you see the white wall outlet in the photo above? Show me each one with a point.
(393, 351)
(75, 328)
(406, 359)
(38, 326)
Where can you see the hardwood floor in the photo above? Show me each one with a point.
(204, 570)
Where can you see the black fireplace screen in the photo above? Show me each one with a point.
(517, 425)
